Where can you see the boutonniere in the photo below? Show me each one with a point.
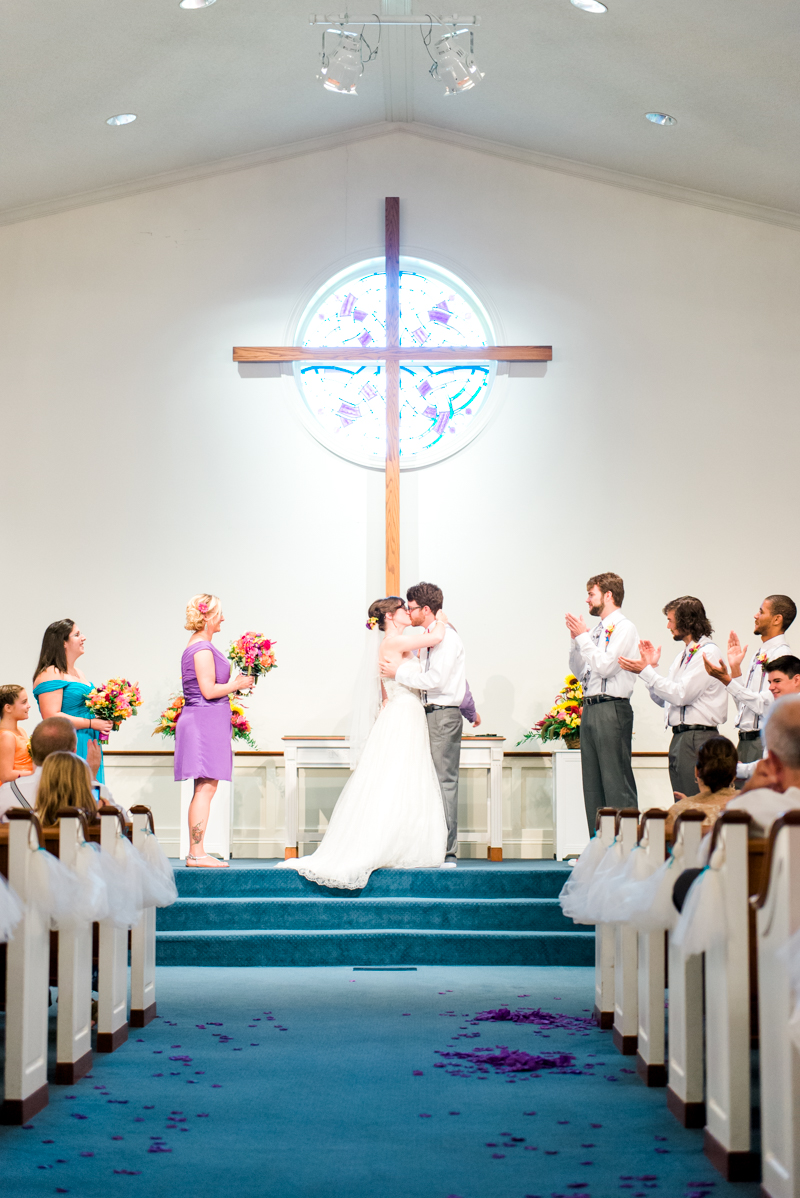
(691, 653)
(760, 659)
(609, 633)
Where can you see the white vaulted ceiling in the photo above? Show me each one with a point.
(238, 78)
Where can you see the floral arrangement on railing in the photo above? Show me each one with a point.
(252, 654)
(115, 700)
(563, 720)
(240, 725)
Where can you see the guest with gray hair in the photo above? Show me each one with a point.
(775, 784)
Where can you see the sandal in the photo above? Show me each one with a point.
(205, 857)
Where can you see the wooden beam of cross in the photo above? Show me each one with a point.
(392, 354)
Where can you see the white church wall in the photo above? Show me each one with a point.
(140, 467)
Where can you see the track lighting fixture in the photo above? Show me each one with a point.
(453, 65)
(341, 70)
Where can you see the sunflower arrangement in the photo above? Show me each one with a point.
(563, 720)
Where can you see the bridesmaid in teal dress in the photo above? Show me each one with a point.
(60, 688)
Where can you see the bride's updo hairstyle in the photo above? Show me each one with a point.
(380, 609)
(198, 609)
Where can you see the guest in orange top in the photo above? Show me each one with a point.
(15, 757)
(715, 773)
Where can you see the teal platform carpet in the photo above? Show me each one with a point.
(323, 1083)
(481, 913)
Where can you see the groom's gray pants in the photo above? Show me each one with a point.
(444, 730)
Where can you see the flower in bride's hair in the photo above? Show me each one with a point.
(202, 607)
(371, 622)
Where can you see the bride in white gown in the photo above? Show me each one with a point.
(390, 813)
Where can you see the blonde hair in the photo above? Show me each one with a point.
(195, 616)
(65, 782)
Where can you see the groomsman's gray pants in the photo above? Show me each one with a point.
(606, 730)
(683, 751)
(444, 730)
(751, 750)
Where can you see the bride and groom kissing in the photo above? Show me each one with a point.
(399, 808)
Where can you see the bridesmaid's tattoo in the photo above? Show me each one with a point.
(197, 833)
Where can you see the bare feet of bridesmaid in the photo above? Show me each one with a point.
(205, 862)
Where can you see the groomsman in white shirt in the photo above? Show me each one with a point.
(607, 718)
(695, 704)
(753, 697)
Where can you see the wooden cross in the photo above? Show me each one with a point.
(392, 354)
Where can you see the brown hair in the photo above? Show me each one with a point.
(716, 762)
(53, 651)
(382, 608)
(9, 693)
(788, 665)
(782, 606)
(65, 782)
(53, 735)
(690, 617)
(426, 594)
(608, 582)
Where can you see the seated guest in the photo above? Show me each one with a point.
(65, 782)
(52, 735)
(715, 772)
(775, 784)
(15, 759)
(783, 678)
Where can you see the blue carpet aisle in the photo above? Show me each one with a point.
(479, 914)
(321, 1083)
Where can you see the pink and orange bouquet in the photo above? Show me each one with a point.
(169, 716)
(253, 654)
(115, 700)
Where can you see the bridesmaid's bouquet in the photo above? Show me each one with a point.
(253, 654)
(115, 700)
(169, 716)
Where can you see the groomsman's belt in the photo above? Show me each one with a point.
(749, 736)
(694, 728)
(590, 699)
(441, 707)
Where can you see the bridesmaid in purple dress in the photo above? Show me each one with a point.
(203, 731)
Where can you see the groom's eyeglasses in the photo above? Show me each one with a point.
(414, 608)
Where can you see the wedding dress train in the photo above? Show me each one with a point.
(390, 813)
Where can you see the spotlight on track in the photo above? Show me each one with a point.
(453, 65)
(341, 70)
(196, 3)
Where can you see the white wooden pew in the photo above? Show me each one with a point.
(651, 980)
(143, 939)
(27, 981)
(778, 918)
(685, 1081)
(112, 968)
(626, 952)
(604, 940)
(727, 1140)
(74, 1022)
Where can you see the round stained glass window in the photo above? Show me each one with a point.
(442, 405)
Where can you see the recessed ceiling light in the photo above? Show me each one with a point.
(590, 5)
(195, 3)
(661, 118)
(124, 118)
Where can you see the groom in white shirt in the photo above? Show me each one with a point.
(443, 683)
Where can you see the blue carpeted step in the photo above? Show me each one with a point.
(386, 947)
(324, 914)
(540, 879)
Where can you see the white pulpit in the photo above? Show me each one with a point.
(220, 819)
(570, 827)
